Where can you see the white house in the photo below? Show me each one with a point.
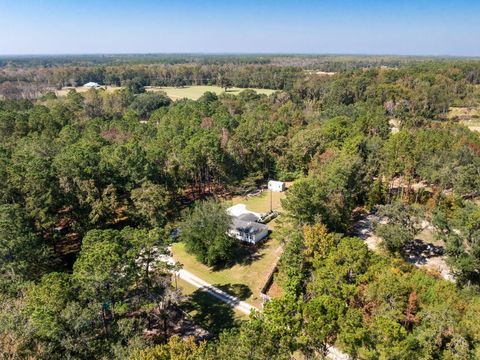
(92, 84)
(246, 230)
(277, 186)
(245, 225)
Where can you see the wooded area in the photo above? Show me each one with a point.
(94, 184)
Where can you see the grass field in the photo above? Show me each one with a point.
(81, 89)
(261, 203)
(243, 279)
(207, 310)
(194, 92)
(470, 117)
(190, 92)
(473, 125)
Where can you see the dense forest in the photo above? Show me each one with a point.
(95, 184)
(27, 77)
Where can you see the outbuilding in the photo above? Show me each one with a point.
(92, 84)
(277, 186)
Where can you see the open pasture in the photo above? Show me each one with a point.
(195, 91)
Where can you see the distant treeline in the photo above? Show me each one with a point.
(325, 62)
(111, 59)
(278, 72)
(261, 76)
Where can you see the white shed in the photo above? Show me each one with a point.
(92, 85)
(277, 186)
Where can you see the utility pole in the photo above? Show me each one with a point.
(271, 200)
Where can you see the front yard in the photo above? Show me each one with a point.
(208, 311)
(246, 277)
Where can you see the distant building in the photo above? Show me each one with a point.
(245, 226)
(91, 84)
(277, 186)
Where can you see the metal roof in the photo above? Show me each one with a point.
(247, 227)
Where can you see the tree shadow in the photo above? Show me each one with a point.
(244, 254)
(210, 312)
(418, 251)
(240, 291)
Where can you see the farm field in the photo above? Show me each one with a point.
(194, 92)
(81, 89)
(190, 92)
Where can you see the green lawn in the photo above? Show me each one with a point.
(260, 203)
(189, 291)
(186, 287)
(243, 279)
(208, 311)
(195, 91)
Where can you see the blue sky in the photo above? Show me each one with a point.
(405, 27)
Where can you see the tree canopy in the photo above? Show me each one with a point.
(97, 184)
(204, 231)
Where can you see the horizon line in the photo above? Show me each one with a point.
(239, 54)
